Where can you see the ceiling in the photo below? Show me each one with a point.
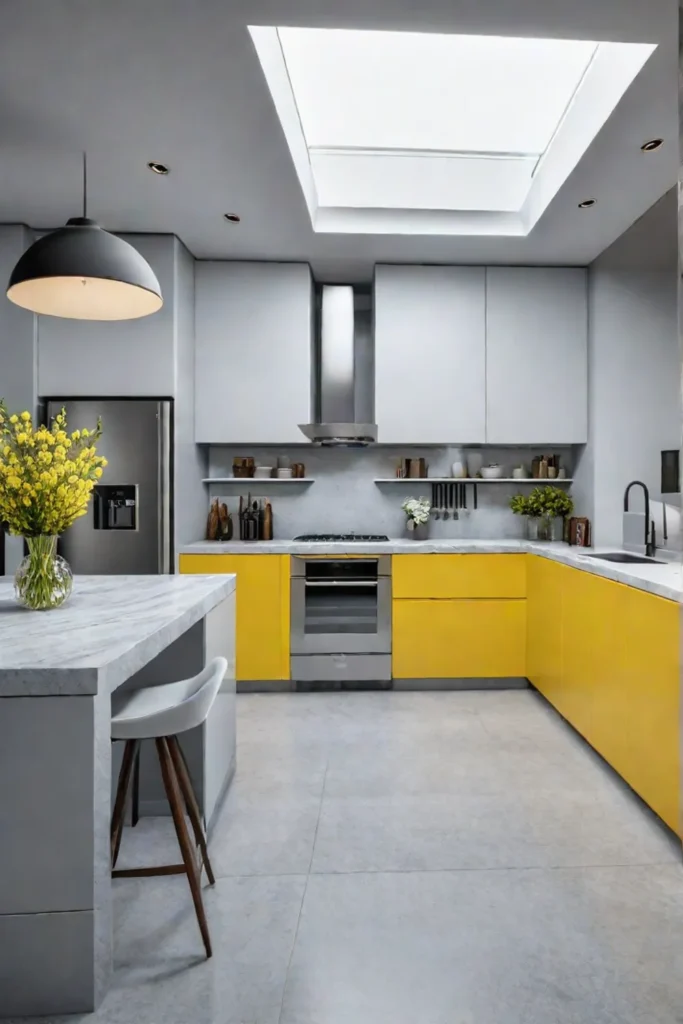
(649, 244)
(178, 81)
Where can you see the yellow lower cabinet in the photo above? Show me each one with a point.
(611, 668)
(625, 685)
(262, 609)
(544, 625)
(458, 639)
(458, 576)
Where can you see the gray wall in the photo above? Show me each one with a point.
(344, 497)
(190, 459)
(634, 404)
(120, 358)
(17, 348)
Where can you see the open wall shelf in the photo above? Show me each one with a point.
(467, 480)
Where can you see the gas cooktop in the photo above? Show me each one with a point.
(332, 538)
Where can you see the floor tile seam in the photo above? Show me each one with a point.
(303, 899)
(499, 868)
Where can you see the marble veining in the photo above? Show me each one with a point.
(663, 580)
(109, 629)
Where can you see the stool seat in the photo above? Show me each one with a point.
(169, 709)
(161, 713)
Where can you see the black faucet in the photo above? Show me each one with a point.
(649, 536)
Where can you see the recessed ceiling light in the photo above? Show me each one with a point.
(158, 168)
(233, 218)
(587, 203)
(651, 145)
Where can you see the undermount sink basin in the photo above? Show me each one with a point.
(623, 556)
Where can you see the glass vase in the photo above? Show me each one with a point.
(44, 579)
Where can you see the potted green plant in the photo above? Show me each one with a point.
(519, 503)
(551, 505)
(545, 509)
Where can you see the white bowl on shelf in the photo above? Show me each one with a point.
(493, 472)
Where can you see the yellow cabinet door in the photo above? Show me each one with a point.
(544, 625)
(452, 576)
(634, 706)
(262, 609)
(620, 683)
(459, 639)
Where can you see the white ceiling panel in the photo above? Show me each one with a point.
(421, 181)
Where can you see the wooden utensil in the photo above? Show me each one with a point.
(213, 521)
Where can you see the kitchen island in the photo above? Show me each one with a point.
(57, 672)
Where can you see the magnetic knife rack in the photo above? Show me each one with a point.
(449, 499)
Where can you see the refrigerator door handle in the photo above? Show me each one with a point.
(164, 488)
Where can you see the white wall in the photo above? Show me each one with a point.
(634, 404)
(17, 349)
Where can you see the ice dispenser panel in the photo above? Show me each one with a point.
(116, 506)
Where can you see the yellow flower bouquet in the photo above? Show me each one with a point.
(46, 481)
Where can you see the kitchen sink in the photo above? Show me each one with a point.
(623, 556)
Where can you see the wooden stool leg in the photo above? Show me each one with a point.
(173, 793)
(129, 754)
(135, 803)
(193, 812)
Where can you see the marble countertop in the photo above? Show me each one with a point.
(664, 580)
(109, 628)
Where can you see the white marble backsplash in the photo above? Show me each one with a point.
(344, 498)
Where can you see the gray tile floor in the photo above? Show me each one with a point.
(436, 858)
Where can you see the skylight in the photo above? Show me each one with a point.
(407, 90)
(462, 126)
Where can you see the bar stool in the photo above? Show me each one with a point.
(161, 713)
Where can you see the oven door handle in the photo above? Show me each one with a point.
(340, 583)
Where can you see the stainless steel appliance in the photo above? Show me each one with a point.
(341, 622)
(344, 381)
(128, 527)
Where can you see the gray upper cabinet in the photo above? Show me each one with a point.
(536, 355)
(430, 363)
(254, 343)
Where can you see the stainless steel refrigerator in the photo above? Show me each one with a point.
(128, 527)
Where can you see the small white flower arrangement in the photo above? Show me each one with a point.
(417, 511)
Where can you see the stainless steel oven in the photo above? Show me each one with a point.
(341, 619)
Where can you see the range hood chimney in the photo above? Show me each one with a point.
(345, 379)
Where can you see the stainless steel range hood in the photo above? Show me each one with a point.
(344, 386)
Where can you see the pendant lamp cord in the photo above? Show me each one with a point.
(85, 185)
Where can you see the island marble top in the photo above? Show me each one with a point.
(664, 580)
(110, 627)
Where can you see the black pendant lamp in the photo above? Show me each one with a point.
(83, 272)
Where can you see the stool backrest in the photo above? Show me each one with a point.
(200, 694)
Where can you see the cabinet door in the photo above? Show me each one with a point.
(430, 354)
(262, 625)
(459, 639)
(544, 625)
(444, 576)
(254, 342)
(536, 355)
(621, 676)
